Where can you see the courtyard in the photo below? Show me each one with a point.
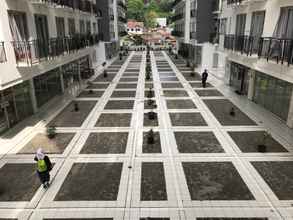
(162, 148)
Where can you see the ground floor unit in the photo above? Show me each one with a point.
(132, 147)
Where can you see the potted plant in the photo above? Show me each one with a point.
(51, 132)
(262, 148)
(150, 137)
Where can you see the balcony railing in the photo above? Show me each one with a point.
(122, 5)
(122, 19)
(242, 43)
(234, 2)
(82, 5)
(177, 17)
(193, 35)
(280, 50)
(3, 58)
(176, 2)
(177, 33)
(36, 51)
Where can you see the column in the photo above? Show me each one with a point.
(61, 80)
(33, 95)
(187, 22)
(251, 80)
(290, 113)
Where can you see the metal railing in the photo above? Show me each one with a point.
(82, 5)
(242, 43)
(122, 5)
(177, 33)
(36, 51)
(235, 2)
(270, 48)
(278, 49)
(177, 17)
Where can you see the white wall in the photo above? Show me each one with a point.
(10, 74)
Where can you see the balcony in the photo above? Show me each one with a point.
(82, 5)
(274, 49)
(244, 44)
(279, 50)
(32, 52)
(176, 2)
(193, 35)
(122, 19)
(234, 2)
(122, 5)
(3, 57)
(177, 33)
(177, 17)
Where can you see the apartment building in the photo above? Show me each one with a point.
(47, 48)
(196, 28)
(256, 45)
(112, 25)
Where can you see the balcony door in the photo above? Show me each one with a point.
(240, 25)
(42, 35)
(256, 28)
(284, 28)
(60, 27)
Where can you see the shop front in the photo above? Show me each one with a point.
(239, 78)
(273, 94)
(47, 86)
(15, 105)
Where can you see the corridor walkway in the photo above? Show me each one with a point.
(163, 148)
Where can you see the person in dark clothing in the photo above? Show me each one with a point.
(204, 77)
(44, 166)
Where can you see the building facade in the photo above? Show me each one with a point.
(256, 45)
(196, 27)
(112, 25)
(47, 48)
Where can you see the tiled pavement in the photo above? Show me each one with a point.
(204, 162)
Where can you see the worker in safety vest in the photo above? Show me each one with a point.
(44, 166)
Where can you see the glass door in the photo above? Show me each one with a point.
(42, 35)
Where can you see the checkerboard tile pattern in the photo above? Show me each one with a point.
(189, 159)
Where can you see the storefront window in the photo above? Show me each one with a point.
(239, 78)
(47, 86)
(84, 67)
(70, 73)
(15, 105)
(273, 94)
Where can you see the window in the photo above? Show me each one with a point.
(71, 26)
(284, 28)
(88, 27)
(240, 24)
(18, 25)
(60, 27)
(81, 27)
(223, 26)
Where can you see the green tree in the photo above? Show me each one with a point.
(135, 10)
(150, 19)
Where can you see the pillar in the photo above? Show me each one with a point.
(290, 113)
(33, 95)
(187, 22)
(61, 80)
(251, 81)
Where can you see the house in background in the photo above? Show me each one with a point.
(135, 27)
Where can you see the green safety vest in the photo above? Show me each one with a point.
(42, 166)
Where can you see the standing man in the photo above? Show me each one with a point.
(204, 77)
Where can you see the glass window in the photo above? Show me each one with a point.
(71, 26)
(47, 86)
(273, 94)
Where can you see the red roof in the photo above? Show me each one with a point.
(134, 24)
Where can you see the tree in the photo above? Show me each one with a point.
(135, 10)
(150, 19)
